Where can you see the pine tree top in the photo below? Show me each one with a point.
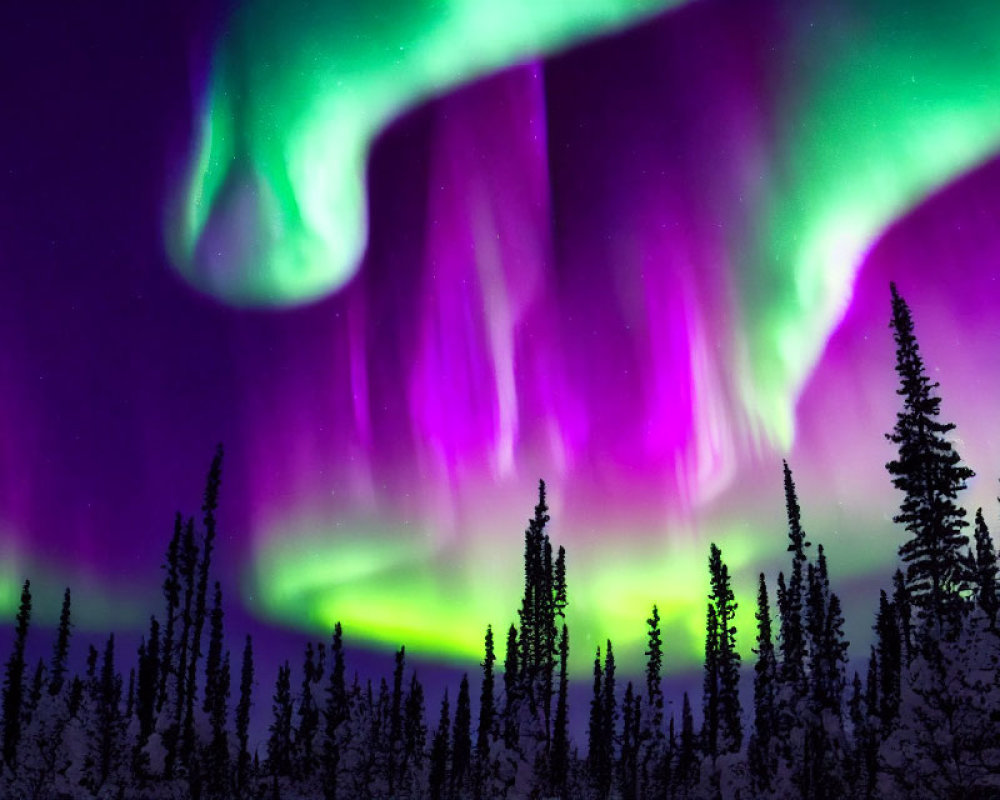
(929, 473)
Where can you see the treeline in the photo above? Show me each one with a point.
(923, 721)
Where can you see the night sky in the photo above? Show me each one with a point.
(405, 262)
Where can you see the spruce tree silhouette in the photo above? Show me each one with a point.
(439, 754)
(395, 740)
(560, 733)
(761, 755)
(487, 700)
(13, 682)
(308, 713)
(790, 600)
(35, 693)
(171, 593)
(687, 757)
(60, 650)
(187, 562)
(904, 613)
(148, 680)
(651, 739)
(209, 506)
(213, 661)
(929, 472)
(106, 745)
(511, 685)
(335, 715)
(595, 729)
(710, 686)
(827, 655)
(727, 656)
(217, 689)
(986, 570)
(628, 761)
(279, 745)
(242, 720)
(414, 731)
(461, 741)
(888, 652)
(609, 719)
(544, 599)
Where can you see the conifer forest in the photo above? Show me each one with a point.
(922, 720)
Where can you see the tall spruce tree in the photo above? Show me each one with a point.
(486, 728)
(872, 692)
(728, 657)
(544, 599)
(175, 739)
(243, 720)
(148, 681)
(827, 647)
(822, 769)
(414, 732)
(559, 594)
(217, 689)
(560, 733)
(34, 693)
(986, 570)
(610, 714)
(13, 682)
(172, 595)
(654, 679)
(511, 684)
(687, 755)
(760, 749)
(394, 742)
(335, 715)
(461, 742)
(107, 745)
(857, 713)
(930, 474)
(791, 600)
(793, 688)
(213, 662)
(628, 757)
(710, 686)
(279, 743)
(439, 754)
(603, 719)
(889, 654)
(209, 506)
(60, 651)
(595, 728)
(870, 732)
(308, 711)
(651, 740)
(487, 699)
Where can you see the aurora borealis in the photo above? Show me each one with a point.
(274, 207)
(645, 267)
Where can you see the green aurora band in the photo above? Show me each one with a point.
(298, 92)
(381, 586)
(879, 107)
